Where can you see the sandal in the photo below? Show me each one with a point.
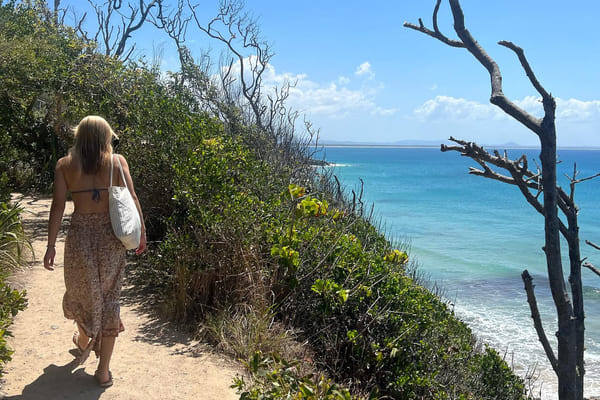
(104, 384)
(76, 342)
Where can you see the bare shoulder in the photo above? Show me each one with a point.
(123, 160)
(64, 162)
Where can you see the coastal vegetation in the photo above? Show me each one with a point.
(14, 252)
(257, 250)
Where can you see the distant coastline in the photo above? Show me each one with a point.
(508, 146)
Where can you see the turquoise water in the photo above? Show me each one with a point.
(473, 237)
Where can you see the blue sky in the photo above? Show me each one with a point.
(363, 77)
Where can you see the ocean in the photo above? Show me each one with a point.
(473, 237)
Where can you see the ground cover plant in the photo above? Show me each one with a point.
(14, 252)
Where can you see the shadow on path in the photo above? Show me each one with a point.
(61, 382)
(154, 329)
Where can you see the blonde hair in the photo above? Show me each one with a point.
(92, 145)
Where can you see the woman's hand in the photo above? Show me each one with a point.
(49, 258)
(142, 246)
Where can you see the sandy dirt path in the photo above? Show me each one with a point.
(152, 360)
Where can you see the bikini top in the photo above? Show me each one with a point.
(95, 192)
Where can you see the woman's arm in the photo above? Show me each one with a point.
(129, 181)
(59, 197)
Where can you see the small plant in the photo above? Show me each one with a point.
(273, 378)
(13, 246)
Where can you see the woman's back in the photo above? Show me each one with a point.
(89, 191)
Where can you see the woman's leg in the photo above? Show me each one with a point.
(106, 350)
(82, 339)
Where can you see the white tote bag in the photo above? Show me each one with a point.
(124, 215)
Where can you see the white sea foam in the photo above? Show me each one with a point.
(513, 336)
(335, 165)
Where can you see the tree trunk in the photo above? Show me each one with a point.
(569, 365)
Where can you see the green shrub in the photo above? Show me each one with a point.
(273, 378)
(369, 323)
(14, 245)
(13, 250)
(11, 302)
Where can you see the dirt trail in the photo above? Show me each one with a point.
(152, 360)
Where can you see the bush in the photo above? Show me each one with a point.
(13, 249)
(274, 378)
(369, 323)
(11, 302)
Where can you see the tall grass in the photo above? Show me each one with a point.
(14, 245)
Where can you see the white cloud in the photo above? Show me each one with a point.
(365, 69)
(331, 99)
(573, 110)
(451, 108)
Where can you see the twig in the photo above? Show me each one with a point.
(591, 268)
(594, 245)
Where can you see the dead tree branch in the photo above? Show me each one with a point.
(115, 43)
(537, 320)
(594, 245)
(591, 268)
(436, 32)
(589, 265)
(239, 32)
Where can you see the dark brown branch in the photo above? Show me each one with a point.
(436, 32)
(572, 182)
(537, 321)
(525, 64)
(130, 27)
(591, 268)
(587, 178)
(497, 96)
(115, 46)
(594, 245)
(520, 176)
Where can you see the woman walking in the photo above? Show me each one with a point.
(94, 259)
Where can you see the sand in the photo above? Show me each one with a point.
(152, 359)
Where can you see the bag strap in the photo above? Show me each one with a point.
(120, 170)
(111, 174)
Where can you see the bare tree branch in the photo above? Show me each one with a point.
(129, 26)
(594, 245)
(591, 268)
(239, 32)
(115, 46)
(537, 321)
(436, 32)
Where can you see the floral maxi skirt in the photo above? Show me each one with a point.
(94, 268)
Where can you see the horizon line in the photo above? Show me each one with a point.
(513, 146)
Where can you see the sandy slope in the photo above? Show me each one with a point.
(151, 360)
